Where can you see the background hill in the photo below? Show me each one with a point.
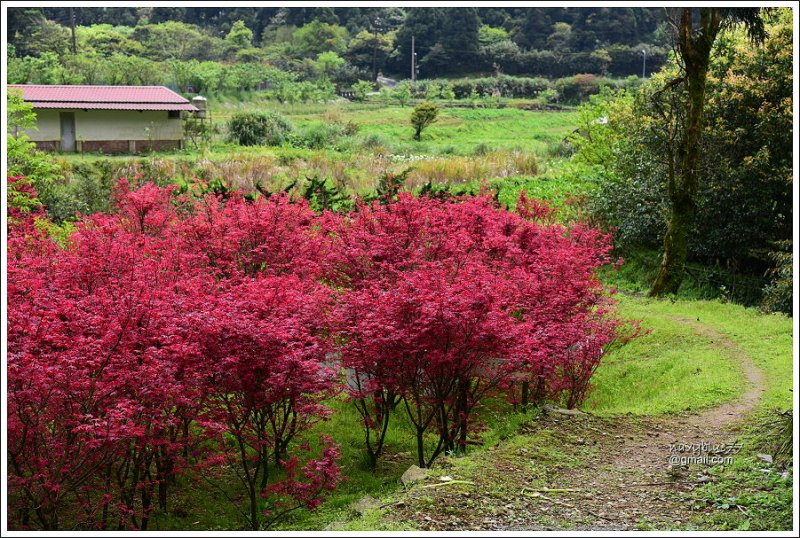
(356, 43)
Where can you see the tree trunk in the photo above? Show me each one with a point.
(694, 47)
(421, 447)
(374, 58)
(526, 385)
(254, 523)
(461, 416)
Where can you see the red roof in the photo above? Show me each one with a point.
(103, 97)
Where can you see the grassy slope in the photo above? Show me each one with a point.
(673, 369)
(460, 130)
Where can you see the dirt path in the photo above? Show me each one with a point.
(727, 414)
(620, 473)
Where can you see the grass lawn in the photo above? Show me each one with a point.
(458, 130)
(673, 369)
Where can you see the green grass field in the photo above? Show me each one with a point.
(458, 130)
(673, 369)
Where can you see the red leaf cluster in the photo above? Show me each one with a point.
(447, 303)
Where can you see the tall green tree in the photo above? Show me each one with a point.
(454, 30)
(369, 50)
(695, 30)
(240, 36)
(317, 37)
(22, 156)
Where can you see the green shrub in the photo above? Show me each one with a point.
(259, 129)
(374, 141)
(362, 88)
(424, 115)
(482, 149)
(318, 135)
(778, 292)
(560, 149)
(23, 157)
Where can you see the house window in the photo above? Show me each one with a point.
(173, 114)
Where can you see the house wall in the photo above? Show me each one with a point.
(49, 126)
(111, 131)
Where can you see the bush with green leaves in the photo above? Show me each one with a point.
(423, 116)
(23, 159)
(319, 135)
(402, 93)
(447, 93)
(778, 293)
(362, 88)
(259, 129)
(374, 142)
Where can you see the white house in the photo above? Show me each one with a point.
(111, 119)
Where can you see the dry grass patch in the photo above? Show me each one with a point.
(455, 170)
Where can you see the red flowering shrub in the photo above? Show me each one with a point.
(264, 380)
(97, 389)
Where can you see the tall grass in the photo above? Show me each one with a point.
(457, 169)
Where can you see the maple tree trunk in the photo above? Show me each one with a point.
(539, 391)
(253, 509)
(374, 449)
(421, 447)
(463, 401)
(163, 470)
(526, 386)
(147, 500)
(104, 520)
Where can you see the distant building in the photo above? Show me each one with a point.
(386, 82)
(111, 119)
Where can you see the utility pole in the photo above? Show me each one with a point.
(374, 49)
(644, 63)
(413, 61)
(374, 57)
(72, 26)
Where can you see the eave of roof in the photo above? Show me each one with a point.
(111, 106)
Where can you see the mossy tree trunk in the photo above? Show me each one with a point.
(694, 48)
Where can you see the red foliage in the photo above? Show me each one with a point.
(203, 336)
(450, 302)
(264, 378)
(128, 349)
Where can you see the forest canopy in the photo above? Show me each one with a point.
(548, 42)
